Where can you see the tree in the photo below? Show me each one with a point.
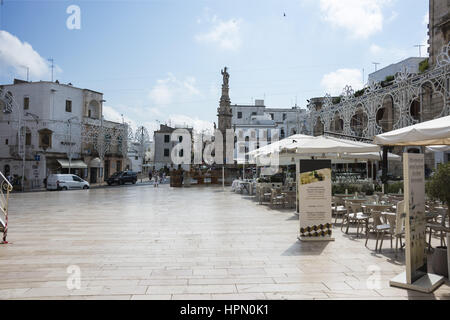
(438, 187)
(143, 139)
(124, 140)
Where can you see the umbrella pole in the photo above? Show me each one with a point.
(384, 167)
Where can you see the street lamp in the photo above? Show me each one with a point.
(70, 140)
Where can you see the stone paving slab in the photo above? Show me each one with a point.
(193, 243)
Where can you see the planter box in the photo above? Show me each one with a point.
(440, 261)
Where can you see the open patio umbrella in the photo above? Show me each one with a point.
(297, 147)
(430, 133)
(323, 146)
(438, 149)
(326, 145)
(278, 146)
(375, 156)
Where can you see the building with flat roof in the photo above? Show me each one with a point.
(50, 127)
(163, 147)
(411, 65)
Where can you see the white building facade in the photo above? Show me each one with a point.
(163, 147)
(45, 128)
(288, 121)
(256, 125)
(411, 65)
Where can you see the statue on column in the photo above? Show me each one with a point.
(226, 76)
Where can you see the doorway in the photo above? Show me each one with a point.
(107, 165)
(93, 175)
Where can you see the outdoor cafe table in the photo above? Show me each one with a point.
(377, 206)
(355, 200)
(235, 185)
(247, 186)
(342, 196)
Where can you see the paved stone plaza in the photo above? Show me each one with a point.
(194, 243)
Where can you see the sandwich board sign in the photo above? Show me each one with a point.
(416, 276)
(314, 194)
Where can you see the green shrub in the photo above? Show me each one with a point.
(395, 187)
(438, 188)
(359, 93)
(337, 100)
(424, 66)
(366, 188)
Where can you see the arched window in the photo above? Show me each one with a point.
(388, 114)
(415, 110)
(337, 125)
(359, 122)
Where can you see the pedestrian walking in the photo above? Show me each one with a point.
(156, 181)
(150, 176)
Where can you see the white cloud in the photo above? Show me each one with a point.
(389, 55)
(362, 18)
(393, 17)
(161, 93)
(426, 19)
(111, 114)
(375, 49)
(19, 55)
(196, 123)
(170, 89)
(225, 34)
(335, 82)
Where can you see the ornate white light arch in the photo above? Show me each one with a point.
(404, 90)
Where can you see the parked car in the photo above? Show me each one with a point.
(66, 182)
(122, 178)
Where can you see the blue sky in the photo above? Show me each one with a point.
(160, 60)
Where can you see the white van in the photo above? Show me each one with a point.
(66, 182)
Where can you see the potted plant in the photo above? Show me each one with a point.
(438, 188)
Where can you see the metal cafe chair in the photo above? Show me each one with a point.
(379, 228)
(355, 214)
(277, 198)
(338, 209)
(400, 224)
(438, 227)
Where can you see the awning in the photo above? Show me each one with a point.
(74, 164)
(430, 133)
(95, 163)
